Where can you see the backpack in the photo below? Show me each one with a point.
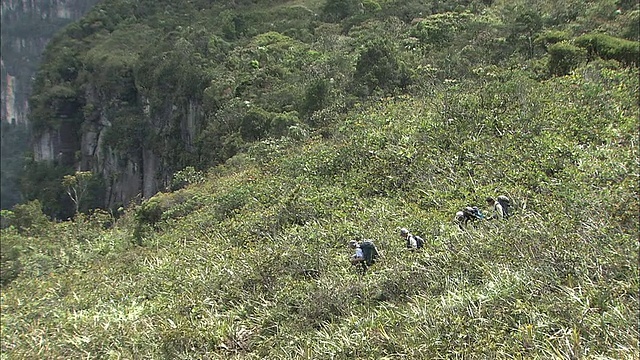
(472, 213)
(419, 241)
(369, 251)
(505, 203)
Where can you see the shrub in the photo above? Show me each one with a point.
(10, 266)
(255, 124)
(166, 205)
(281, 123)
(161, 207)
(316, 96)
(378, 68)
(551, 37)
(438, 29)
(187, 176)
(609, 47)
(337, 10)
(564, 58)
(371, 6)
(27, 218)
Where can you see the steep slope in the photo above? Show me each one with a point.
(139, 90)
(249, 261)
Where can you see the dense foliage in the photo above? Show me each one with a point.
(250, 261)
(196, 82)
(365, 122)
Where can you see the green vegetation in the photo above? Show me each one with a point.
(76, 186)
(609, 47)
(347, 129)
(193, 83)
(252, 262)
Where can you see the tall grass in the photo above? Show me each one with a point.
(252, 263)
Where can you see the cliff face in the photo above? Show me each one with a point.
(27, 27)
(134, 92)
(138, 167)
(95, 109)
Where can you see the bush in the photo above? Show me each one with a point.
(10, 266)
(27, 218)
(316, 96)
(337, 10)
(166, 205)
(551, 37)
(564, 58)
(378, 68)
(186, 176)
(609, 47)
(161, 207)
(439, 29)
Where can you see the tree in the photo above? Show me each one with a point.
(77, 185)
(316, 96)
(378, 68)
(524, 30)
(13, 144)
(337, 10)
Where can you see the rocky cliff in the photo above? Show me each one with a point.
(99, 104)
(27, 27)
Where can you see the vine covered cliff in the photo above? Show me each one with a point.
(27, 27)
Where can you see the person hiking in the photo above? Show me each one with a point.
(500, 207)
(412, 242)
(469, 213)
(365, 254)
(358, 256)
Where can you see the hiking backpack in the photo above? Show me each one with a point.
(472, 213)
(369, 252)
(506, 204)
(419, 242)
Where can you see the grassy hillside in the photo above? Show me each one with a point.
(249, 261)
(165, 84)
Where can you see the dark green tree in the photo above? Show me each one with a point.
(42, 181)
(316, 96)
(525, 29)
(378, 68)
(14, 142)
(337, 10)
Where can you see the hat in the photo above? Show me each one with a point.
(404, 231)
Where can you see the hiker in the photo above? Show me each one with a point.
(412, 242)
(358, 256)
(500, 207)
(365, 254)
(469, 213)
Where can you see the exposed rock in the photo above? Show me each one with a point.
(27, 27)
